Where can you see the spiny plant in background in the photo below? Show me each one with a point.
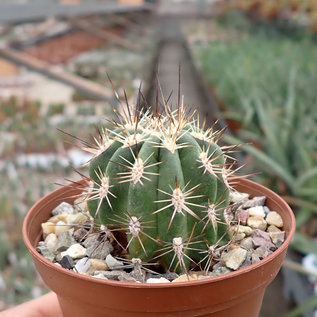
(165, 182)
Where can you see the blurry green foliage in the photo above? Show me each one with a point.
(267, 82)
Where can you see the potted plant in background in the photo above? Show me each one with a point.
(171, 221)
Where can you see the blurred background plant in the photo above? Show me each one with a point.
(264, 82)
(34, 154)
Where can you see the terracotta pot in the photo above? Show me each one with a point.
(235, 294)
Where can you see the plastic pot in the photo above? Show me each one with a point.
(235, 294)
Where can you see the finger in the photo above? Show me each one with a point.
(44, 306)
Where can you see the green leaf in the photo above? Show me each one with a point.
(276, 168)
(306, 177)
(302, 217)
(303, 244)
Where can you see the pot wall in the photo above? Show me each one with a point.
(235, 294)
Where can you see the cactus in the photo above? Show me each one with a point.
(164, 181)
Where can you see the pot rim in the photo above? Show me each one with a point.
(246, 183)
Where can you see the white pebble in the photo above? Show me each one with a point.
(157, 280)
(273, 218)
(84, 266)
(50, 242)
(77, 219)
(113, 263)
(272, 228)
(63, 208)
(76, 251)
(257, 211)
(61, 227)
(256, 222)
(59, 217)
(234, 258)
(47, 228)
(277, 236)
(241, 229)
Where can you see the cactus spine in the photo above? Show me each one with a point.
(164, 182)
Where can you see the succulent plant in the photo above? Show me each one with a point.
(165, 182)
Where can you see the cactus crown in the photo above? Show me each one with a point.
(164, 181)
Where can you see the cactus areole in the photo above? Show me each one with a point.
(164, 181)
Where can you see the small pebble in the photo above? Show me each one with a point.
(112, 275)
(102, 250)
(127, 277)
(273, 218)
(234, 258)
(58, 256)
(247, 244)
(170, 276)
(84, 266)
(61, 227)
(236, 237)
(266, 209)
(243, 229)
(257, 211)
(64, 241)
(255, 258)
(113, 263)
(99, 265)
(254, 202)
(63, 208)
(97, 249)
(80, 234)
(248, 260)
(272, 228)
(75, 251)
(220, 270)
(46, 252)
(77, 219)
(185, 278)
(242, 216)
(262, 252)
(157, 280)
(47, 228)
(50, 242)
(261, 238)
(277, 237)
(256, 222)
(67, 262)
(92, 240)
(57, 218)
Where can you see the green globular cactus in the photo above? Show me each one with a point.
(163, 181)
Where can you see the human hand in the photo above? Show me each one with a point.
(44, 306)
